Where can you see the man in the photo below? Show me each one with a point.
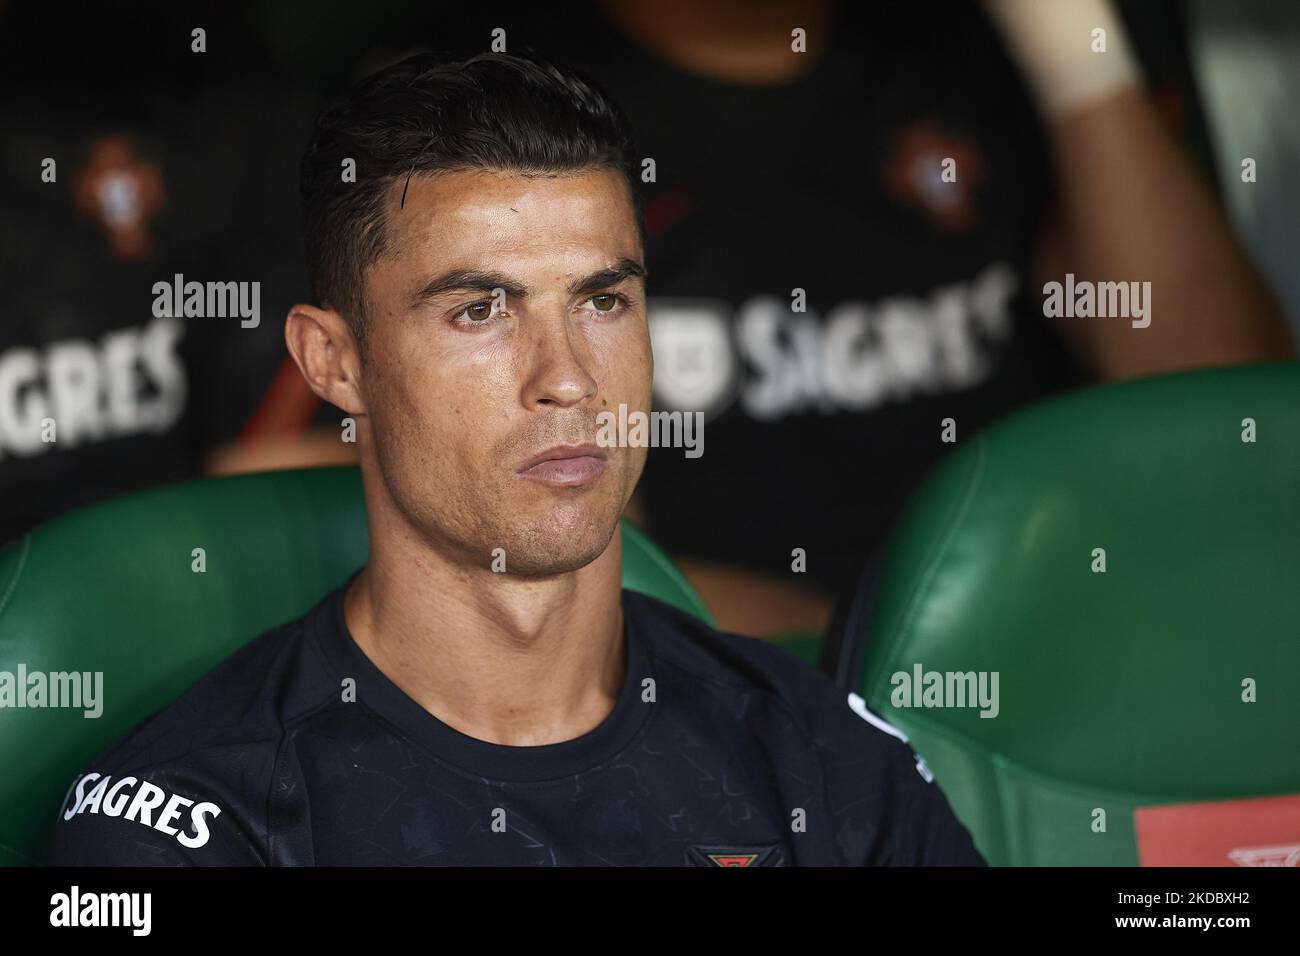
(483, 692)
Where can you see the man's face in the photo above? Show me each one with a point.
(469, 391)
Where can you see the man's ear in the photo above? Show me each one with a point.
(322, 344)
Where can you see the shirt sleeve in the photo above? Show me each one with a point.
(924, 831)
(164, 816)
(883, 792)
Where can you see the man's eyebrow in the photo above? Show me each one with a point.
(604, 278)
(478, 280)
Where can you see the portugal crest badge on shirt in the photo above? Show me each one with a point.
(122, 193)
(936, 172)
(734, 856)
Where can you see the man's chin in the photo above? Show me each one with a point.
(560, 543)
(551, 566)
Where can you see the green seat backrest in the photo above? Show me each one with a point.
(1119, 689)
(111, 588)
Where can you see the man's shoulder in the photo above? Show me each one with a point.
(822, 710)
(244, 699)
(885, 805)
(190, 783)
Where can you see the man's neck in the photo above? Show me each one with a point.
(501, 658)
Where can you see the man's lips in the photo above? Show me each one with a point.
(565, 465)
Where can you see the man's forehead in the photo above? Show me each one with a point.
(487, 205)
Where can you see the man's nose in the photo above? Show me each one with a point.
(558, 366)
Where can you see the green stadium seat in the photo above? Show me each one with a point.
(1120, 689)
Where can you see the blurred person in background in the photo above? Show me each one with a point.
(130, 158)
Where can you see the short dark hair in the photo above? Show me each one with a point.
(429, 114)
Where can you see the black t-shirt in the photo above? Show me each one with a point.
(720, 750)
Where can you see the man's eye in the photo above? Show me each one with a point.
(606, 302)
(476, 314)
